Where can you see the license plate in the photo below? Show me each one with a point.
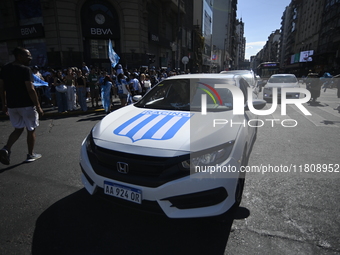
(123, 192)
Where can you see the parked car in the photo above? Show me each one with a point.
(159, 154)
(280, 81)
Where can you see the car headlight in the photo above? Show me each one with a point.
(90, 145)
(211, 156)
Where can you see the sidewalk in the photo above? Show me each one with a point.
(50, 112)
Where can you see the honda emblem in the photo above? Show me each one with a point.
(122, 167)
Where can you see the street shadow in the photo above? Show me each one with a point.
(82, 224)
(86, 115)
(93, 117)
(10, 167)
(330, 122)
(317, 103)
(241, 213)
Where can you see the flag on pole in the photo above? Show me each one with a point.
(39, 82)
(114, 58)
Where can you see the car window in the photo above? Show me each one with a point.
(186, 95)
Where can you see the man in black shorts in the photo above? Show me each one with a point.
(20, 101)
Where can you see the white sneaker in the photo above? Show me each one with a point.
(34, 157)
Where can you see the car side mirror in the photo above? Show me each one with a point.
(136, 98)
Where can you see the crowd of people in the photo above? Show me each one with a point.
(73, 87)
(92, 84)
(23, 90)
(316, 82)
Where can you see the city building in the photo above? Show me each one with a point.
(327, 57)
(224, 27)
(304, 36)
(62, 33)
(203, 18)
(240, 45)
(309, 40)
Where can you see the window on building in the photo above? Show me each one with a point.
(99, 48)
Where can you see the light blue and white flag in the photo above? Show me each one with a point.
(114, 58)
(39, 82)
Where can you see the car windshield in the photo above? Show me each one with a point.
(282, 79)
(186, 95)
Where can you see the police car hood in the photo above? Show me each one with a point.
(164, 133)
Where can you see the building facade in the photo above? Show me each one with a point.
(62, 33)
(310, 38)
(327, 57)
(224, 25)
(240, 46)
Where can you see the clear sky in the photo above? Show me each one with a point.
(260, 18)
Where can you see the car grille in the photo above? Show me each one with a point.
(143, 170)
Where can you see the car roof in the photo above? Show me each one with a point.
(237, 72)
(205, 76)
(283, 74)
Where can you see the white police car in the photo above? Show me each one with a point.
(177, 151)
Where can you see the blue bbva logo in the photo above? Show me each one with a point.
(154, 125)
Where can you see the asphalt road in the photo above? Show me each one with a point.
(45, 210)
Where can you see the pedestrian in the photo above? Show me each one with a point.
(122, 89)
(326, 81)
(60, 96)
(71, 89)
(85, 69)
(19, 99)
(147, 83)
(336, 81)
(142, 83)
(119, 69)
(313, 84)
(81, 90)
(153, 77)
(106, 93)
(94, 87)
(135, 85)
